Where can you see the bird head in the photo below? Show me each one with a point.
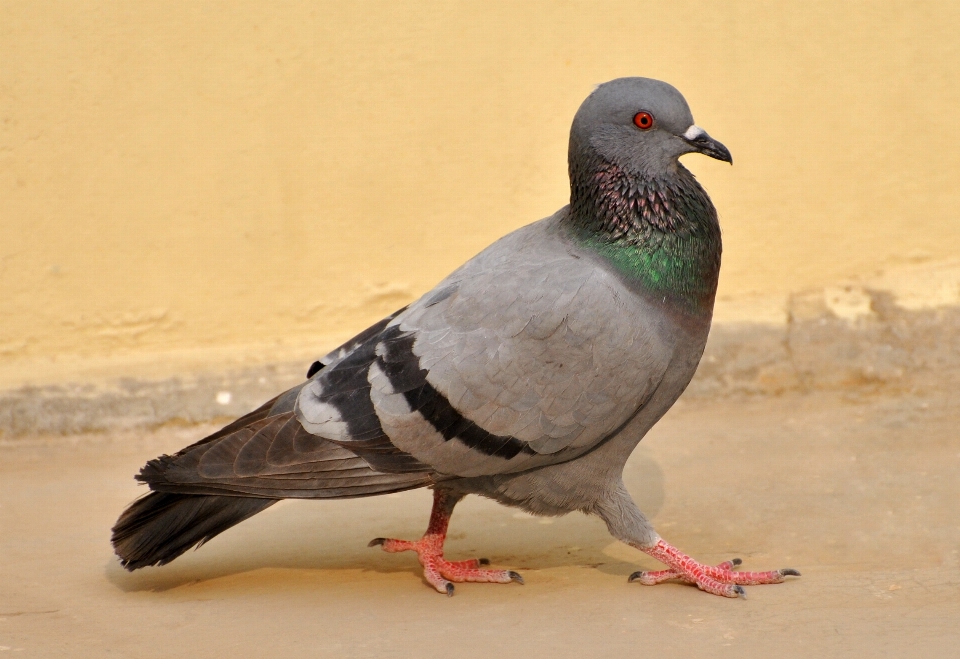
(642, 125)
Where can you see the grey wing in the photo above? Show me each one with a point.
(528, 355)
(268, 454)
(351, 345)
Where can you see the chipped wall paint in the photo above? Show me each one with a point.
(177, 177)
(888, 351)
(916, 286)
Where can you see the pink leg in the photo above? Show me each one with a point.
(652, 578)
(719, 580)
(438, 571)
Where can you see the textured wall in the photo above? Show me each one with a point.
(202, 174)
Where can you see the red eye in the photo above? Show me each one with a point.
(643, 120)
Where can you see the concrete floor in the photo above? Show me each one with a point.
(860, 493)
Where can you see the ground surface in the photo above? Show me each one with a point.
(858, 493)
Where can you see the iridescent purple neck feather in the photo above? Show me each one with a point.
(661, 231)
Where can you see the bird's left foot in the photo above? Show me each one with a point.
(721, 579)
(440, 572)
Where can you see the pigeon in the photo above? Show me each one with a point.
(527, 376)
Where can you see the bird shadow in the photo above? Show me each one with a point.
(320, 537)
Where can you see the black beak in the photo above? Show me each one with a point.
(708, 146)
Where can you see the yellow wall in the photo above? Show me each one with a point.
(202, 174)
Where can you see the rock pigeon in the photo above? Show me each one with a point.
(527, 376)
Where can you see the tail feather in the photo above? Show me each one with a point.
(160, 526)
(244, 468)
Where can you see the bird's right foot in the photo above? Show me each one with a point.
(719, 580)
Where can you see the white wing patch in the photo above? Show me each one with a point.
(319, 418)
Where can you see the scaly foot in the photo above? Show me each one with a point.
(440, 572)
(719, 580)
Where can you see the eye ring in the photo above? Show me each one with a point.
(643, 120)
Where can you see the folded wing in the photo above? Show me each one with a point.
(527, 356)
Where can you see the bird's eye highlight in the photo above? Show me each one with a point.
(643, 120)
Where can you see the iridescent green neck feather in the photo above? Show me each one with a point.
(660, 233)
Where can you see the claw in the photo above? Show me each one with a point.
(376, 541)
(483, 561)
(736, 562)
(789, 572)
(741, 593)
(636, 575)
(515, 576)
(450, 589)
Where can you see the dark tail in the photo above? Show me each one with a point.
(160, 526)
